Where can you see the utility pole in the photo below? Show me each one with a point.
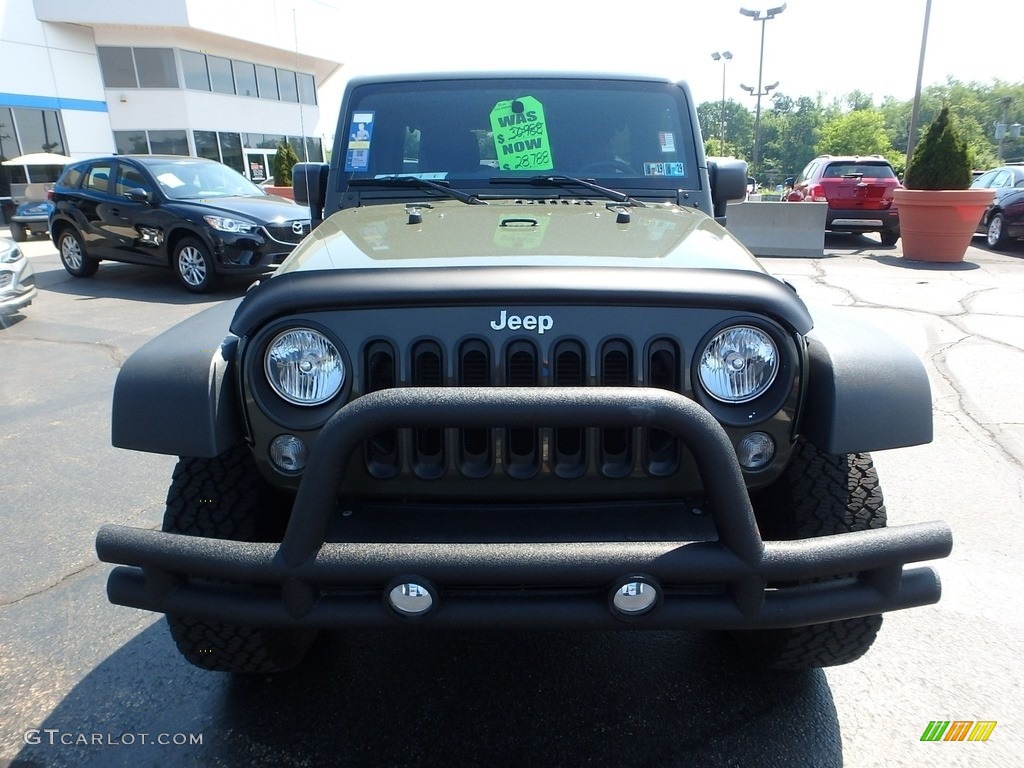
(724, 56)
(770, 14)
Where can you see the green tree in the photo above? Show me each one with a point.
(940, 159)
(284, 159)
(860, 132)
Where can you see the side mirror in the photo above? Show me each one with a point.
(137, 195)
(728, 179)
(309, 187)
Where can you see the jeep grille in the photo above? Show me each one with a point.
(518, 452)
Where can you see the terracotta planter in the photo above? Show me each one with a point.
(280, 191)
(939, 225)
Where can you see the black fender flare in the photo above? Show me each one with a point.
(176, 394)
(866, 390)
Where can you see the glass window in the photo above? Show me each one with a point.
(231, 150)
(221, 79)
(297, 145)
(39, 130)
(266, 77)
(286, 82)
(156, 68)
(245, 78)
(168, 142)
(271, 141)
(117, 67)
(98, 178)
(193, 65)
(307, 89)
(129, 178)
(206, 144)
(131, 143)
(314, 150)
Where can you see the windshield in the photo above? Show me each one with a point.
(191, 180)
(628, 134)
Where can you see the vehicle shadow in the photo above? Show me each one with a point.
(132, 282)
(423, 698)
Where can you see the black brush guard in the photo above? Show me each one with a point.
(730, 583)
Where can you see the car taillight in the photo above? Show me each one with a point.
(50, 196)
(818, 194)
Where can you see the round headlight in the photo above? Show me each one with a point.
(739, 364)
(304, 367)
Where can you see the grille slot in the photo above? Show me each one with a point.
(476, 457)
(662, 448)
(522, 446)
(381, 450)
(568, 451)
(428, 444)
(616, 445)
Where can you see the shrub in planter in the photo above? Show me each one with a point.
(938, 212)
(284, 160)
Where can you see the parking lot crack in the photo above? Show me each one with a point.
(117, 356)
(48, 588)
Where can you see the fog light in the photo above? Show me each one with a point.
(756, 450)
(410, 598)
(634, 597)
(288, 453)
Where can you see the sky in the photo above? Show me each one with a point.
(830, 47)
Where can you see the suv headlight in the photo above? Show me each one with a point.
(9, 252)
(225, 224)
(739, 364)
(304, 367)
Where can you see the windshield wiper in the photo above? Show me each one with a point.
(560, 180)
(416, 181)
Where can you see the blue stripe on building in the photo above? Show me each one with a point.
(51, 102)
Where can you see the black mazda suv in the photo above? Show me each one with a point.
(199, 217)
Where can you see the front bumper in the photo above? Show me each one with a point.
(728, 580)
(17, 286)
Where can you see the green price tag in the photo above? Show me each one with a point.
(521, 135)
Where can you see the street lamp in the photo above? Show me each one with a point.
(770, 14)
(724, 56)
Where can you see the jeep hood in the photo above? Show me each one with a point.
(519, 233)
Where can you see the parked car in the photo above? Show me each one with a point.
(17, 280)
(197, 216)
(1003, 221)
(31, 218)
(858, 190)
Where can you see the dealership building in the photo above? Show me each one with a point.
(228, 80)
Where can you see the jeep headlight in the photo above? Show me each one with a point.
(739, 364)
(304, 367)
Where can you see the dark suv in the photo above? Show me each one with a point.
(197, 216)
(858, 190)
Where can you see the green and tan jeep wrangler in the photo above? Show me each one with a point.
(520, 374)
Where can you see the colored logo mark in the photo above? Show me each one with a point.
(958, 730)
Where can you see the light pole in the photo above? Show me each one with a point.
(723, 56)
(770, 14)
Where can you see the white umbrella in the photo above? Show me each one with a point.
(40, 158)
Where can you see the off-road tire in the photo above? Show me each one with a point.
(226, 498)
(819, 495)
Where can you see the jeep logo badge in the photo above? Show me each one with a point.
(538, 323)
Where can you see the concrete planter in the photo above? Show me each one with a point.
(937, 225)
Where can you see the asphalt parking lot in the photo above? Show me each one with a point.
(84, 683)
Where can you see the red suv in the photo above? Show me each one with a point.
(858, 191)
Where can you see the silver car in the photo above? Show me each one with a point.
(17, 280)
